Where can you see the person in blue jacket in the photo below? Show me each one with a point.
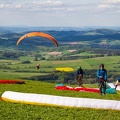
(102, 78)
(117, 82)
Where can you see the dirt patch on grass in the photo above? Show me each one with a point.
(73, 43)
(72, 50)
(54, 53)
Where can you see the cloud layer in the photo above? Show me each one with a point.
(59, 12)
(110, 5)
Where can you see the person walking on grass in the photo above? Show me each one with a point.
(80, 77)
(102, 78)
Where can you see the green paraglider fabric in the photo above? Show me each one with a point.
(110, 90)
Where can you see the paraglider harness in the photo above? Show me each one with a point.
(79, 77)
(79, 73)
(37, 67)
(102, 79)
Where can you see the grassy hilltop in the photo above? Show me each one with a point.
(85, 48)
(44, 112)
(26, 112)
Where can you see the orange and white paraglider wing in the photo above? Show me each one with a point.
(41, 34)
(23, 37)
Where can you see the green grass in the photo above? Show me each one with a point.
(109, 62)
(84, 54)
(115, 42)
(13, 111)
(16, 111)
(26, 70)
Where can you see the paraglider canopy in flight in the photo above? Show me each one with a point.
(41, 34)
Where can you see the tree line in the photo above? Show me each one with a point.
(90, 77)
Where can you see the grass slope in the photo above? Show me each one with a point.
(33, 112)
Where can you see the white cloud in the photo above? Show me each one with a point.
(18, 6)
(49, 2)
(112, 5)
(59, 12)
(2, 5)
(10, 6)
(44, 6)
(113, 1)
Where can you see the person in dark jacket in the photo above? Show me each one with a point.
(80, 77)
(102, 78)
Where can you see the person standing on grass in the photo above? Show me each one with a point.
(117, 83)
(102, 78)
(80, 77)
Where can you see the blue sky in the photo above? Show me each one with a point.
(73, 13)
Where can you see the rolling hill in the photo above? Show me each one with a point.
(9, 37)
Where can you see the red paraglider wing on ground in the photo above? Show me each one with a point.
(12, 82)
(77, 89)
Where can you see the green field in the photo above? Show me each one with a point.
(13, 69)
(16, 111)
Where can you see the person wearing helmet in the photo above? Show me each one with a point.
(80, 77)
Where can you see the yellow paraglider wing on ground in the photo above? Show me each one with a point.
(41, 34)
(66, 69)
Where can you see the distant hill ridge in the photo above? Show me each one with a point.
(10, 35)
